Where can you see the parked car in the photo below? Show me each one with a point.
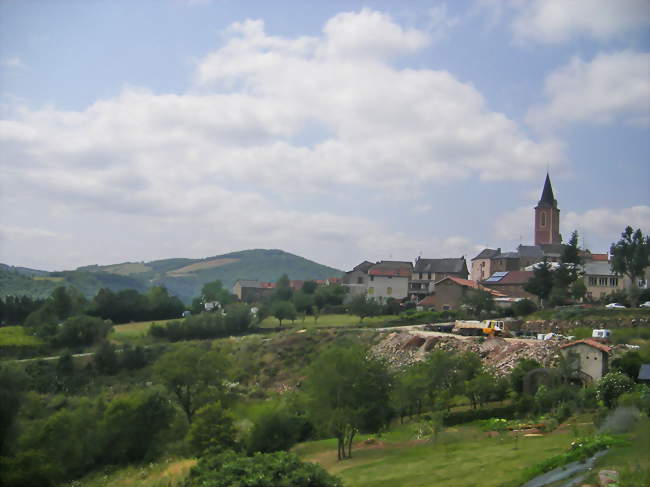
(615, 306)
(645, 305)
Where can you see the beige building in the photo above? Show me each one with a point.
(600, 280)
(590, 357)
(389, 279)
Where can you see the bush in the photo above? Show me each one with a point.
(212, 430)
(278, 469)
(523, 307)
(611, 386)
(275, 430)
(460, 417)
(82, 330)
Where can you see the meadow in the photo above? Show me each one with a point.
(18, 336)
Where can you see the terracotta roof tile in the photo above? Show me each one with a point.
(591, 343)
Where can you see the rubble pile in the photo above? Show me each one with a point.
(402, 349)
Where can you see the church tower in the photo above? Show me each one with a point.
(547, 217)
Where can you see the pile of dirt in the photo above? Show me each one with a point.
(406, 348)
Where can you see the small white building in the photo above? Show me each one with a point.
(389, 279)
(590, 357)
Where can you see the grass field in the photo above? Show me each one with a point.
(16, 336)
(327, 321)
(169, 473)
(462, 456)
(46, 278)
(134, 330)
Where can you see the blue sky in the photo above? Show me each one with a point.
(337, 130)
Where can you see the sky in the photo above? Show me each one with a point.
(339, 131)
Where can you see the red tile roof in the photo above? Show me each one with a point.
(591, 343)
(392, 269)
(602, 257)
(473, 285)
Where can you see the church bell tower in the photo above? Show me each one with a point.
(547, 217)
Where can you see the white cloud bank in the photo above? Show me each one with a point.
(556, 21)
(609, 88)
(273, 115)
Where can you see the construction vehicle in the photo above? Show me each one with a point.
(479, 328)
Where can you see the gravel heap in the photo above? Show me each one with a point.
(405, 348)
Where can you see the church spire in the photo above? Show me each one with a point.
(547, 199)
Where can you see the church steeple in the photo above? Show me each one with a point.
(547, 198)
(547, 217)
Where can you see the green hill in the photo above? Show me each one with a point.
(183, 277)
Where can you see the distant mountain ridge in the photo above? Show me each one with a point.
(183, 277)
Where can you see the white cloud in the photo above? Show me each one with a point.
(608, 223)
(555, 21)
(608, 88)
(13, 63)
(273, 116)
(515, 225)
(440, 22)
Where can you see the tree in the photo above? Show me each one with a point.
(106, 359)
(612, 385)
(82, 330)
(238, 317)
(213, 430)
(348, 392)
(214, 291)
(363, 307)
(630, 256)
(13, 381)
(193, 375)
(479, 301)
(283, 310)
(275, 430)
(279, 469)
(309, 287)
(283, 291)
(132, 424)
(523, 366)
(303, 302)
(541, 283)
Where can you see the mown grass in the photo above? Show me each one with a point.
(134, 330)
(326, 321)
(462, 456)
(18, 336)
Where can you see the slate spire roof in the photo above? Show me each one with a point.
(547, 199)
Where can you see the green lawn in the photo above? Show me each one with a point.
(327, 321)
(134, 330)
(18, 336)
(462, 456)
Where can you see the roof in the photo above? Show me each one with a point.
(471, 284)
(507, 255)
(600, 257)
(429, 300)
(552, 249)
(598, 268)
(455, 266)
(363, 267)
(644, 372)
(487, 254)
(591, 343)
(547, 199)
(248, 283)
(508, 277)
(391, 268)
(534, 251)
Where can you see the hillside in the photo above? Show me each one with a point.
(183, 277)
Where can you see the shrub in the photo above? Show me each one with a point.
(460, 417)
(611, 386)
(279, 469)
(212, 430)
(275, 430)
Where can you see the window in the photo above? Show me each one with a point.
(446, 307)
(592, 281)
(389, 290)
(372, 278)
(359, 280)
(420, 275)
(371, 290)
(602, 281)
(542, 220)
(429, 276)
(613, 281)
(643, 283)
